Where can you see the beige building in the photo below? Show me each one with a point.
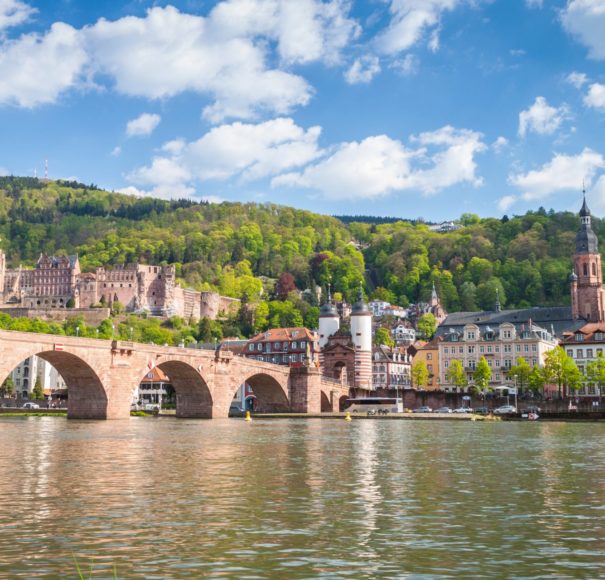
(391, 368)
(429, 353)
(501, 345)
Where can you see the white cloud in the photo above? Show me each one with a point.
(143, 125)
(228, 56)
(505, 202)
(116, 151)
(238, 150)
(407, 66)
(562, 172)
(36, 69)
(577, 79)
(379, 165)
(363, 70)
(596, 96)
(500, 144)
(585, 19)
(541, 118)
(13, 13)
(534, 3)
(409, 21)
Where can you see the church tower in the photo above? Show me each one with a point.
(587, 292)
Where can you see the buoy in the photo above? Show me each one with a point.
(348, 416)
(248, 418)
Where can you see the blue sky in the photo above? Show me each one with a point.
(409, 108)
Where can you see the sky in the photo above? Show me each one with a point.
(403, 108)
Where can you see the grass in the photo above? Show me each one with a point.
(34, 414)
(81, 575)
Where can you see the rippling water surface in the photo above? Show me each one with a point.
(166, 498)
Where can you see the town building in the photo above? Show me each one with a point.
(391, 368)
(429, 354)
(285, 346)
(403, 334)
(155, 389)
(32, 369)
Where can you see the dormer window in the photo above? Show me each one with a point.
(579, 337)
(598, 336)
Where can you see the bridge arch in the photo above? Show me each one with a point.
(271, 393)
(87, 397)
(193, 396)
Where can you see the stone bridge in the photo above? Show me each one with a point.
(101, 376)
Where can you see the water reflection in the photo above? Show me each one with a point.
(162, 498)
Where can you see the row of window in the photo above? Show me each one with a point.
(277, 346)
(580, 353)
(281, 359)
(471, 349)
(472, 364)
(598, 336)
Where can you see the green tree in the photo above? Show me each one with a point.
(37, 392)
(383, 336)
(536, 379)
(455, 374)
(561, 370)
(520, 373)
(427, 325)
(8, 387)
(482, 374)
(595, 371)
(420, 374)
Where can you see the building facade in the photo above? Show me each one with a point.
(285, 346)
(391, 368)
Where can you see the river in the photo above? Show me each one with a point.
(166, 498)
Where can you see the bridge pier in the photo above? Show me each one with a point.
(305, 390)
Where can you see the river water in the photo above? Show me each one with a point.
(166, 498)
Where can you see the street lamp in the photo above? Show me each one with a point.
(113, 328)
(515, 383)
(131, 331)
(77, 331)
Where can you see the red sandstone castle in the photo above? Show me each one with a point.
(57, 282)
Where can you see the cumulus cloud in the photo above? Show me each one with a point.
(238, 150)
(505, 202)
(143, 125)
(116, 151)
(585, 20)
(407, 66)
(363, 70)
(410, 19)
(13, 13)
(596, 96)
(562, 172)
(35, 69)
(541, 118)
(228, 56)
(534, 3)
(500, 144)
(379, 165)
(577, 79)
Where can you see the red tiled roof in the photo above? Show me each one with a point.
(282, 334)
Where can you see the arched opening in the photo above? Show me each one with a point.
(56, 379)
(177, 385)
(326, 406)
(585, 269)
(594, 269)
(269, 395)
(339, 368)
(342, 403)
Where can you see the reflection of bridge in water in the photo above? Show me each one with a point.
(101, 376)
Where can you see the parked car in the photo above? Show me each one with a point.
(462, 410)
(505, 410)
(481, 411)
(235, 410)
(442, 410)
(30, 406)
(531, 409)
(423, 409)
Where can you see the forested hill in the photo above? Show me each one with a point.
(237, 248)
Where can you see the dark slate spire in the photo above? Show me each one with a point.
(586, 239)
(328, 310)
(360, 307)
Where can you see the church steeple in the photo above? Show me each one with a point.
(587, 292)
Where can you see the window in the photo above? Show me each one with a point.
(585, 269)
(461, 350)
(489, 348)
(277, 346)
(303, 344)
(446, 364)
(579, 337)
(599, 352)
(429, 368)
(471, 350)
(534, 348)
(589, 353)
(429, 356)
(594, 269)
(250, 347)
(598, 336)
(507, 334)
(446, 350)
(481, 349)
(518, 348)
(497, 362)
(526, 348)
(260, 346)
(579, 353)
(570, 352)
(508, 348)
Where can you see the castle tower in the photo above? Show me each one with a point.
(587, 292)
(361, 334)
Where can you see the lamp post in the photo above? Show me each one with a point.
(97, 331)
(77, 331)
(131, 331)
(515, 383)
